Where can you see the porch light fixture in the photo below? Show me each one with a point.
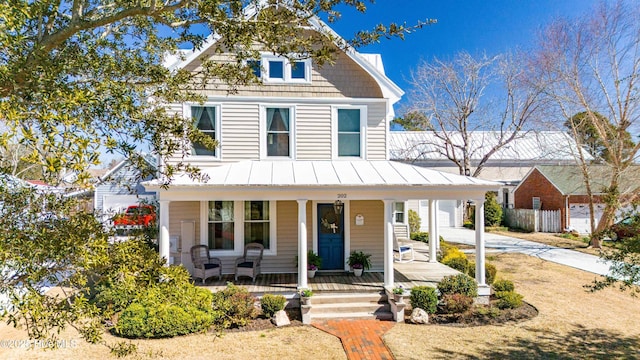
(337, 207)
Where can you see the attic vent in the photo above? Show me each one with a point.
(536, 203)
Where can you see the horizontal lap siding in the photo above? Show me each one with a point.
(184, 211)
(240, 131)
(376, 132)
(313, 132)
(370, 236)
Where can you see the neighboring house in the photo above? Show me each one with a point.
(120, 187)
(509, 165)
(302, 164)
(562, 188)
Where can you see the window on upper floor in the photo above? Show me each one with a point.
(256, 67)
(278, 125)
(349, 137)
(281, 70)
(205, 118)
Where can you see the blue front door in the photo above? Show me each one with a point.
(330, 237)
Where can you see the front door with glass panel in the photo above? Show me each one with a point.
(330, 237)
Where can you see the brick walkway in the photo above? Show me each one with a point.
(361, 339)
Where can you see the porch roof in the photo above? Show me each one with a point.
(329, 173)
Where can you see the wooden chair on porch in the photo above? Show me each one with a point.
(205, 266)
(249, 264)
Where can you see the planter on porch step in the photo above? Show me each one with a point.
(311, 273)
(398, 298)
(358, 272)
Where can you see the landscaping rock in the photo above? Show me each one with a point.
(419, 316)
(281, 319)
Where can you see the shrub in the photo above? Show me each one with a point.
(503, 285)
(456, 303)
(508, 299)
(492, 210)
(414, 222)
(489, 311)
(459, 263)
(237, 305)
(425, 298)
(420, 236)
(271, 304)
(489, 272)
(458, 284)
(163, 311)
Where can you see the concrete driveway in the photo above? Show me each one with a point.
(500, 243)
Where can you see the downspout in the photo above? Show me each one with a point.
(566, 211)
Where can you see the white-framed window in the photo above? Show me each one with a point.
(205, 118)
(256, 67)
(221, 225)
(277, 132)
(227, 226)
(278, 69)
(399, 213)
(349, 132)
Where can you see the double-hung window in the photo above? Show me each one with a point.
(257, 225)
(205, 119)
(278, 125)
(398, 213)
(221, 225)
(349, 138)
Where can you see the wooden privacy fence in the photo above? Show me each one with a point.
(534, 220)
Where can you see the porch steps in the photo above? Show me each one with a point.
(367, 305)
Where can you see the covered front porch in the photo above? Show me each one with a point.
(407, 274)
(295, 207)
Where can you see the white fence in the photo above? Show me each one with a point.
(534, 220)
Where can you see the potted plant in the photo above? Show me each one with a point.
(359, 261)
(398, 294)
(305, 296)
(313, 263)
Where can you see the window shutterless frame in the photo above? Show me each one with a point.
(277, 132)
(206, 110)
(348, 135)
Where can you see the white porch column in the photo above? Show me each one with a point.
(483, 288)
(388, 243)
(302, 244)
(163, 241)
(434, 235)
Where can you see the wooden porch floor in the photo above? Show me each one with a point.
(415, 273)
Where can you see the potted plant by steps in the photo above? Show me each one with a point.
(359, 261)
(305, 296)
(313, 263)
(398, 294)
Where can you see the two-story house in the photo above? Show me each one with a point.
(302, 164)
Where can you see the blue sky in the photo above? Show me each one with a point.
(477, 26)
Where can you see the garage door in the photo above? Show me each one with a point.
(579, 217)
(446, 214)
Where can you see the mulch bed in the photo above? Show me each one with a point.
(474, 317)
(262, 323)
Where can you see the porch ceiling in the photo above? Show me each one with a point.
(325, 174)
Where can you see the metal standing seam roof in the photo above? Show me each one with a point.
(532, 145)
(326, 173)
